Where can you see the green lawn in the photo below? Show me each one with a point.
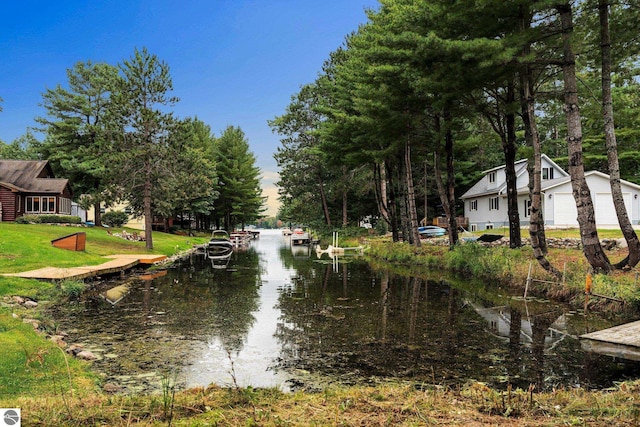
(26, 247)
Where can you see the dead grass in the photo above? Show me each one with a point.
(385, 405)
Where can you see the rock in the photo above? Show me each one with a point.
(86, 355)
(58, 340)
(74, 349)
(33, 323)
(30, 304)
(18, 300)
(112, 388)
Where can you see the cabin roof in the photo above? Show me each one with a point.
(30, 176)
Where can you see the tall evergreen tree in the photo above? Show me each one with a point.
(240, 199)
(74, 125)
(140, 128)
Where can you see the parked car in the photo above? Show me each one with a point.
(431, 231)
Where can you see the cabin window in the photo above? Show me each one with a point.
(19, 203)
(48, 205)
(492, 177)
(527, 208)
(33, 204)
(494, 204)
(547, 173)
(65, 206)
(473, 205)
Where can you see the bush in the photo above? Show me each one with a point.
(48, 219)
(115, 218)
(73, 288)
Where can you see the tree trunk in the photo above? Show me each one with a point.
(536, 217)
(451, 181)
(586, 216)
(345, 216)
(97, 216)
(407, 236)
(148, 218)
(323, 198)
(393, 205)
(443, 191)
(411, 197)
(610, 140)
(380, 178)
(509, 148)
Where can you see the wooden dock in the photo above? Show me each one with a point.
(117, 264)
(621, 341)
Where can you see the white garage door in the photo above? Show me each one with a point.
(564, 209)
(606, 212)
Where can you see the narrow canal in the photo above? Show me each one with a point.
(278, 316)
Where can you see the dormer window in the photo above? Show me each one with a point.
(492, 177)
(547, 173)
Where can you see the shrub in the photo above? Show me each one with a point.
(73, 288)
(115, 218)
(48, 219)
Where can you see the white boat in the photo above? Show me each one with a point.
(219, 244)
(300, 237)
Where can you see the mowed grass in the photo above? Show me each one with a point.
(26, 247)
(30, 365)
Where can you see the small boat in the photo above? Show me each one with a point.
(431, 231)
(300, 237)
(219, 244)
(240, 238)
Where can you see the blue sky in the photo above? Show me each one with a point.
(233, 62)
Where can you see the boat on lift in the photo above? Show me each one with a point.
(219, 245)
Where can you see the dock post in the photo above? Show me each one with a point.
(526, 285)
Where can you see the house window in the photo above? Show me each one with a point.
(33, 204)
(489, 227)
(527, 208)
(474, 227)
(494, 204)
(547, 173)
(65, 206)
(473, 205)
(19, 203)
(48, 204)
(492, 177)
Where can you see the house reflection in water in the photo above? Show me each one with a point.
(507, 323)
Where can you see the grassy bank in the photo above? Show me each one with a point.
(383, 405)
(511, 267)
(28, 246)
(30, 363)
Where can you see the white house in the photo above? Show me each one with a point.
(485, 204)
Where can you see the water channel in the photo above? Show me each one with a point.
(277, 316)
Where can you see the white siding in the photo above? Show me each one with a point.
(565, 212)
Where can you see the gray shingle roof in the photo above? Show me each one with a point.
(30, 176)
